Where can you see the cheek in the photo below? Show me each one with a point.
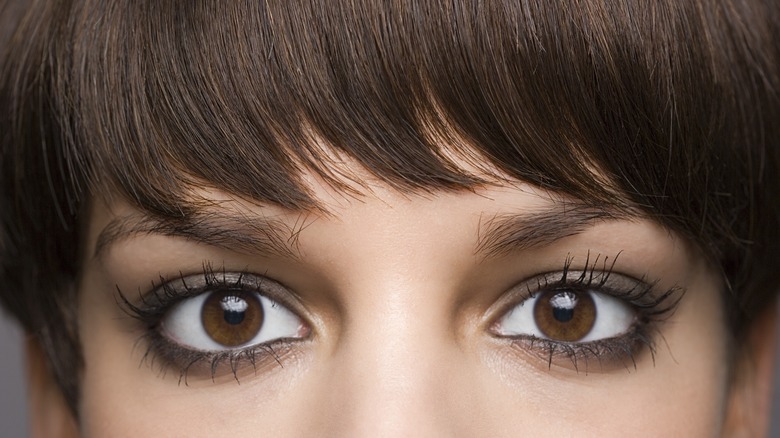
(650, 401)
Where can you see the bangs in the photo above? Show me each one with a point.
(169, 95)
(613, 104)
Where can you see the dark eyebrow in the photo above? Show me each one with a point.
(505, 233)
(235, 232)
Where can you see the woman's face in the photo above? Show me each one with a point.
(499, 312)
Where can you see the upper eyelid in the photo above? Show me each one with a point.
(638, 292)
(581, 279)
(169, 291)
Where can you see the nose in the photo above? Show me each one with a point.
(398, 371)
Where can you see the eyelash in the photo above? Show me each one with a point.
(652, 308)
(165, 352)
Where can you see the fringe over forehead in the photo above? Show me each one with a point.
(158, 96)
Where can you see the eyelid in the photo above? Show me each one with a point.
(637, 293)
(650, 305)
(154, 303)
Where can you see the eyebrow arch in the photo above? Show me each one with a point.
(234, 232)
(502, 234)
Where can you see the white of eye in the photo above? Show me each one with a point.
(614, 317)
(184, 326)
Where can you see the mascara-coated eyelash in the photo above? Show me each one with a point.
(211, 321)
(556, 315)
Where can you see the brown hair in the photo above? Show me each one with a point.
(674, 103)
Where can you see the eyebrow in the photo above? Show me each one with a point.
(255, 235)
(505, 233)
(498, 235)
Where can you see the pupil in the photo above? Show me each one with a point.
(234, 318)
(563, 305)
(563, 315)
(234, 309)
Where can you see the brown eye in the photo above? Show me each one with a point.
(568, 315)
(232, 318)
(565, 315)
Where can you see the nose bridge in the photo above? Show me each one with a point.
(390, 374)
(396, 357)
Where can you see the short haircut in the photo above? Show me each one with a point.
(667, 108)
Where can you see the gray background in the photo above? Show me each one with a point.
(13, 412)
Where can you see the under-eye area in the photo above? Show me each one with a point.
(589, 319)
(216, 322)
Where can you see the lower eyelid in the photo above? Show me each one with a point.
(606, 355)
(193, 366)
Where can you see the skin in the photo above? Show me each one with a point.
(400, 314)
